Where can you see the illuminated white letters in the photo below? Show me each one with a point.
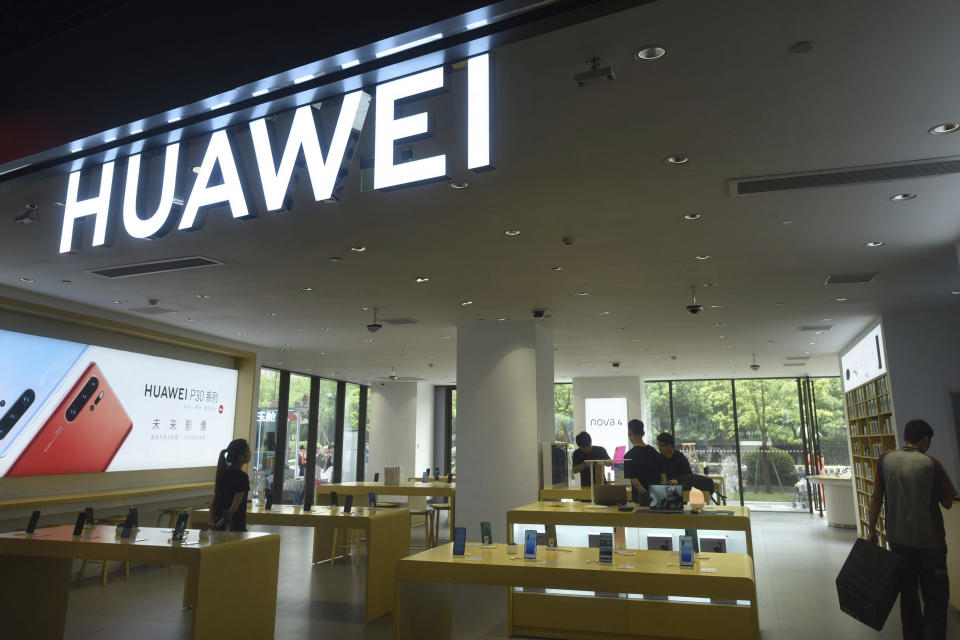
(203, 195)
(75, 210)
(478, 112)
(389, 129)
(303, 134)
(157, 224)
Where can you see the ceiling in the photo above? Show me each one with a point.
(588, 163)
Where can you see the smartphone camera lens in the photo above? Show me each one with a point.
(71, 413)
(3, 403)
(93, 384)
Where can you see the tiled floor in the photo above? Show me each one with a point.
(797, 559)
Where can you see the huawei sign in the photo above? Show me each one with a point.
(325, 170)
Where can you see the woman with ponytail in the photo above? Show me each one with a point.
(231, 487)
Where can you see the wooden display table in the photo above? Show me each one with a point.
(388, 539)
(563, 494)
(587, 515)
(441, 489)
(94, 496)
(230, 577)
(424, 594)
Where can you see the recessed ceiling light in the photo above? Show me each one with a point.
(603, 313)
(241, 333)
(202, 296)
(903, 196)
(723, 337)
(840, 299)
(334, 258)
(811, 343)
(501, 318)
(512, 232)
(703, 257)
(946, 127)
(719, 324)
(556, 268)
(117, 302)
(270, 315)
(446, 337)
(786, 222)
(692, 216)
(635, 340)
(804, 46)
(828, 319)
(27, 280)
(67, 281)
(321, 329)
(306, 288)
(677, 159)
(459, 185)
(818, 333)
(955, 293)
(583, 293)
(875, 243)
(359, 249)
(649, 52)
(716, 306)
(364, 308)
(806, 352)
(368, 339)
(466, 303)
(188, 319)
(423, 279)
(707, 285)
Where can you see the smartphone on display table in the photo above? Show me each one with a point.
(269, 504)
(78, 526)
(82, 435)
(333, 499)
(376, 477)
(530, 544)
(372, 499)
(426, 476)
(88, 516)
(686, 551)
(134, 516)
(459, 540)
(180, 531)
(227, 520)
(34, 519)
(606, 548)
(486, 533)
(37, 368)
(348, 504)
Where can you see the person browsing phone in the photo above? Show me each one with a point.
(231, 487)
(587, 451)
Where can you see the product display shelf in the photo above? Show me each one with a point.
(872, 431)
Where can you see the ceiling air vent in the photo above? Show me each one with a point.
(846, 176)
(798, 357)
(794, 364)
(850, 278)
(157, 266)
(153, 310)
(815, 327)
(400, 320)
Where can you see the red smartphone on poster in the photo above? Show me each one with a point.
(82, 436)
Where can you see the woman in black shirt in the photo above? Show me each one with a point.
(231, 487)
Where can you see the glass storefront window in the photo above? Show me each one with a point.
(658, 407)
(298, 431)
(351, 425)
(265, 446)
(563, 411)
(326, 431)
(453, 431)
(834, 443)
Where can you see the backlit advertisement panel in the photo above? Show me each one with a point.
(67, 407)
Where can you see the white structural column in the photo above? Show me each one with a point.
(504, 412)
(401, 432)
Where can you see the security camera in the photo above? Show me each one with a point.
(616, 365)
(568, 240)
(373, 327)
(539, 313)
(694, 308)
(755, 367)
(594, 74)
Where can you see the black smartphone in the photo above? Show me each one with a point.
(227, 520)
(372, 499)
(126, 531)
(333, 499)
(88, 514)
(376, 477)
(269, 504)
(78, 527)
(449, 478)
(459, 540)
(530, 545)
(551, 535)
(436, 474)
(486, 533)
(606, 548)
(129, 520)
(347, 504)
(179, 531)
(307, 501)
(34, 519)
(134, 517)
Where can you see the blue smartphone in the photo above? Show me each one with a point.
(180, 531)
(459, 540)
(426, 476)
(372, 499)
(686, 551)
(530, 544)
(38, 366)
(436, 474)
(606, 548)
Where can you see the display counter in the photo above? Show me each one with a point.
(838, 497)
(387, 532)
(231, 577)
(718, 593)
(431, 489)
(582, 493)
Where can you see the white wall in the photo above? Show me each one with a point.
(923, 358)
(401, 427)
(424, 443)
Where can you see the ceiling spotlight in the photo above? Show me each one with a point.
(306, 288)
(812, 343)
(806, 353)
(117, 302)
(364, 308)
(423, 279)
(828, 319)
(334, 258)
(29, 215)
(466, 303)
(677, 159)
(840, 299)
(955, 293)
(707, 285)
(786, 222)
(359, 249)
(904, 196)
(875, 243)
(583, 293)
(512, 232)
(27, 280)
(501, 318)
(755, 366)
(241, 333)
(603, 313)
(270, 315)
(447, 337)
(703, 257)
(202, 296)
(459, 185)
(716, 306)
(556, 268)
(649, 52)
(719, 324)
(804, 46)
(946, 127)
(692, 216)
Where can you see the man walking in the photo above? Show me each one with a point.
(915, 486)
